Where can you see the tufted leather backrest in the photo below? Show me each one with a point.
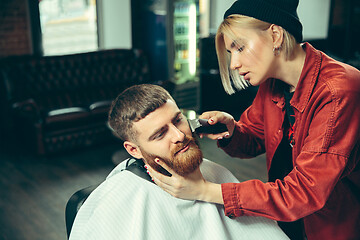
(72, 80)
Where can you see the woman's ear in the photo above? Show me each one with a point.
(133, 149)
(277, 34)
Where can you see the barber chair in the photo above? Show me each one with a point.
(73, 205)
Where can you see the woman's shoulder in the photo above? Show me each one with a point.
(339, 77)
(334, 70)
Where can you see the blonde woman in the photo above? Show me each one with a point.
(305, 117)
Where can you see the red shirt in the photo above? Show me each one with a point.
(324, 186)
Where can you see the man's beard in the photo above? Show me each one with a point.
(182, 163)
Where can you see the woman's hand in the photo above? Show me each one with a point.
(191, 187)
(221, 117)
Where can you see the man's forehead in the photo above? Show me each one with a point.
(157, 119)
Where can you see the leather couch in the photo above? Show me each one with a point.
(54, 104)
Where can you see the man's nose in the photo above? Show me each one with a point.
(176, 134)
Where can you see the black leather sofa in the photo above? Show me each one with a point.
(54, 104)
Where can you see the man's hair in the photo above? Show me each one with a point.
(134, 104)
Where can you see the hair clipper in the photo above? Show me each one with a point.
(202, 126)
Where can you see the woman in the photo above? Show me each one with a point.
(306, 117)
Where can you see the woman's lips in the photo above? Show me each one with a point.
(246, 76)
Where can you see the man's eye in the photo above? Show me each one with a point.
(178, 120)
(160, 135)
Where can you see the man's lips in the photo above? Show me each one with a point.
(184, 149)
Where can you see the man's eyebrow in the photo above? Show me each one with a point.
(176, 116)
(157, 131)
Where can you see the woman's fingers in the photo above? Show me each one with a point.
(218, 136)
(222, 117)
(216, 116)
(176, 185)
(163, 165)
(208, 115)
(160, 179)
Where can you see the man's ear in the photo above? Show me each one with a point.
(133, 149)
(277, 34)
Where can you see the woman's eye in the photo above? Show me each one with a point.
(240, 49)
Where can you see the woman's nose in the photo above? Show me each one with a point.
(177, 135)
(235, 63)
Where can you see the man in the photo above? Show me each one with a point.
(126, 206)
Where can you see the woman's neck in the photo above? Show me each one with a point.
(289, 71)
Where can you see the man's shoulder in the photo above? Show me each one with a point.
(208, 164)
(214, 172)
(120, 167)
(211, 171)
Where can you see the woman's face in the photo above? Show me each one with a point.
(251, 54)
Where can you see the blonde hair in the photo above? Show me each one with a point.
(224, 58)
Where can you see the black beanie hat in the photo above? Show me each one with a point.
(279, 12)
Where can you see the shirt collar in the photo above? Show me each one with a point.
(307, 80)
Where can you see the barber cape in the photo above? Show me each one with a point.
(126, 206)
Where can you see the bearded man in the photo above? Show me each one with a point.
(126, 206)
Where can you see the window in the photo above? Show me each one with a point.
(68, 26)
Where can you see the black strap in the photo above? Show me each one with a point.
(136, 166)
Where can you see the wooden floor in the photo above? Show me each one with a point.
(34, 190)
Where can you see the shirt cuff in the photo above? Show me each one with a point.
(231, 202)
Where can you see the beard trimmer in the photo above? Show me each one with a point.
(202, 126)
